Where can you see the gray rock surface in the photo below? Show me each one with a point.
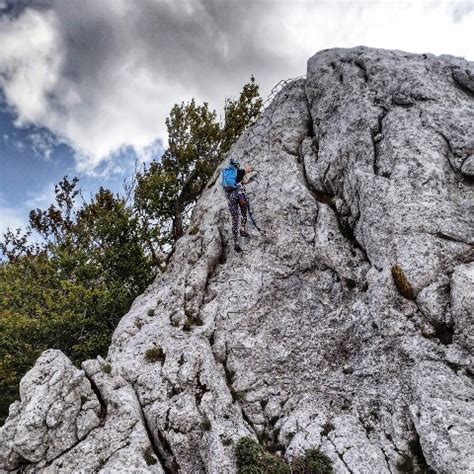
(305, 340)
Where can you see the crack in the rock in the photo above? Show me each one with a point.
(103, 404)
(163, 450)
(449, 238)
(340, 456)
(386, 459)
(449, 149)
(363, 68)
(377, 135)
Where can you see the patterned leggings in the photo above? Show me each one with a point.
(237, 199)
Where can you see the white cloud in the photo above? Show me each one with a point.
(104, 75)
(30, 60)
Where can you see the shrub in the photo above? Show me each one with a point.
(401, 282)
(253, 459)
(150, 312)
(317, 462)
(155, 354)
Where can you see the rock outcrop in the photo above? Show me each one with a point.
(347, 326)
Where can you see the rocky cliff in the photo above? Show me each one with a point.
(347, 326)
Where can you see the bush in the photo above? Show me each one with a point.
(317, 462)
(401, 282)
(155, 354)
(253, 459)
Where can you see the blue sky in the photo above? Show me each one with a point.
(85, 86)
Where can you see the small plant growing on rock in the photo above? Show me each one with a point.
(106, 368)
(327, 428)
(155, 354)
(193, 230)
(150, 458)
(150, 312)
(401, 282)
(206, 424)
(192, 321)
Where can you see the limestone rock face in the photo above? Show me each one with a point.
(305, 340)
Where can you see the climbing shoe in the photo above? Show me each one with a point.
(238, 248)
(244, 233)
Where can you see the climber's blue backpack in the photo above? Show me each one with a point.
(229, 178)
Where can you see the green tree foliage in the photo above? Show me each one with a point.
(167, 190)
(70, 290)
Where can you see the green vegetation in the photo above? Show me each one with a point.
(69, 286)
(155, 354)
(253, 459)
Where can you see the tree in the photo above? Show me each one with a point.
(70, 290)
(167, 190)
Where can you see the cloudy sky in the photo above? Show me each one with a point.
(85, 85)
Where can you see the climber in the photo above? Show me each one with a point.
(233, 181)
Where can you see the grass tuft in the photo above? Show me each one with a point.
(155, 354)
